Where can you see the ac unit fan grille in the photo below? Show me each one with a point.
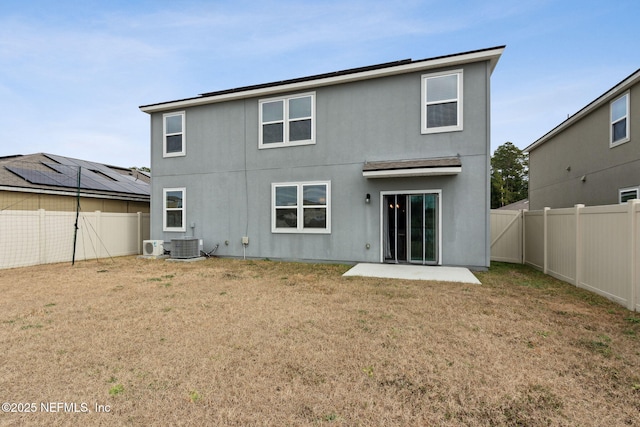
(148, 248)
(152, 247)
(185, 248)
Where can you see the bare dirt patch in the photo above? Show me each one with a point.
(230, 342)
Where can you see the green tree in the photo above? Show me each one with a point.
(509, 175)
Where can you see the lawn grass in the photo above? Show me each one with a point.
(232, 342)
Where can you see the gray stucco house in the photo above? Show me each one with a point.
(386, 163)
(593, 157)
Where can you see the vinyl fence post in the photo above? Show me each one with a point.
(523, 257)
(545, 240)
(578, 250)
(633, 253)
(139, 234)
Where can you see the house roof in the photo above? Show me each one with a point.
(520, 205)
(612, 93)
(414, 167)
(354, 74)
(52, 174)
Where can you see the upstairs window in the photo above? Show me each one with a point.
(442, 102)
(287, 121)
(619, 129)
(301, 207)
(174, 218)
(173, 135)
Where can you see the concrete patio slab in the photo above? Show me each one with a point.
(414, 272)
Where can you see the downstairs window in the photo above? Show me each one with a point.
(302, 207)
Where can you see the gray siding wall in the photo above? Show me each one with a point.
(584, 147)
(228, 179)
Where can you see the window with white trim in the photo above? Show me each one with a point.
(626, 194)
(442, 102)
(619, 128)
(303, 207)
(287, 121)
(173, 209)
(173, 131)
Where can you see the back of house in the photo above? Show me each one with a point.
(387, 163)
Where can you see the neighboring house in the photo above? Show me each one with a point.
(56, 183)
(593, 157)
(520, 205)
(387, 163)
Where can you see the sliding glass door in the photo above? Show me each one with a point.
(410, 228)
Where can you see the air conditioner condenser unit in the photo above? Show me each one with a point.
(153, 247)
(187, 247)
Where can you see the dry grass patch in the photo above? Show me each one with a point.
(229, 342)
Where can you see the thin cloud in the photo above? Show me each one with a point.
(77, 71)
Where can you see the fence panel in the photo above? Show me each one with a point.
(534, 239)
(119, 233)
(57, 232)
(47, 236)
(23, 248)
(88, 241)
(506, 236)
(605, 257)
(561, 244)
(596, 248)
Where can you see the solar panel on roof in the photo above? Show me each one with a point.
(43, 177)
(62, 160)
(90, 183)
(68, 172)
(67, 176)
(113, 181)
(106, 180)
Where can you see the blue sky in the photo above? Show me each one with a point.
(73, 73)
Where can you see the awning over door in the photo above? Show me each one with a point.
(406, 168)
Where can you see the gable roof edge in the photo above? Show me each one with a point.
(364, 73)
(625, 84)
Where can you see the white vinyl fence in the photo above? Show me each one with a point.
(506, 236)
(595, 248)
(42, 237)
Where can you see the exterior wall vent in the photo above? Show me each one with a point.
(189, 247)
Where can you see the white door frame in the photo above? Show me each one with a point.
(405, 192)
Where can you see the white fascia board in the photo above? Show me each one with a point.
(491, 55)
(403, 173)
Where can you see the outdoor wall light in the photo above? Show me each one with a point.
(367, 199)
